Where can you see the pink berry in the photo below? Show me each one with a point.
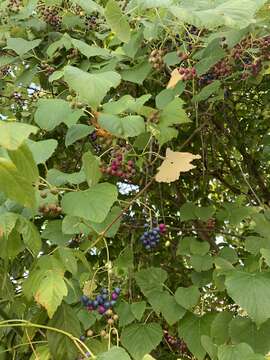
(162, 227)
(101, 309)
(114, 296)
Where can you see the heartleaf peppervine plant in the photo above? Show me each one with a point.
(134, 179)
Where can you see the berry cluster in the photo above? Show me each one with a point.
(76, 241)
(175, 343)
(187, 73)
(4, 71)
(17, 97)
(103, 302)
(50, 14)
(210, 224)
(93, 136)
(48, 69)
(151, 238)
(52, 210)
(111, 319)
(90, 22)
(14, 5)
(156, 59)
(118, 167)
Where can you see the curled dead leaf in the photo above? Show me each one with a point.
(175, 78)
(99, 131)
(175, 163)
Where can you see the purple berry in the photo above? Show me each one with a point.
(90, 307)
(117, 290)
(114, 296)
(101, 309)
(100, 299)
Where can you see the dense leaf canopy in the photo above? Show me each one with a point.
(134, 179)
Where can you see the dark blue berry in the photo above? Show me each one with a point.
(89, 302)
(95, 304)
(104, 291)
(104, 296)
(84, 300)
(117, 290)
(112, 303)
(107, 305)
(99, 299)
(82, 338)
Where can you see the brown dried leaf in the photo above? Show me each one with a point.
(175, 78)
(175, 163)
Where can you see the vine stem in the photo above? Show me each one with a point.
(23, 323)
(102, 235)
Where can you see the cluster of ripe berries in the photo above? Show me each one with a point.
(156, 59)
(175, 343)
(151, 238)
(188, 73)
(220, 70)
(118, 167)
(103, 302)
(50, 15)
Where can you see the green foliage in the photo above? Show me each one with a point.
(92, 94)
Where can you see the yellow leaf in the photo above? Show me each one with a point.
(175, 77)
(148, 357)
(89, 287)
(175, 163)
